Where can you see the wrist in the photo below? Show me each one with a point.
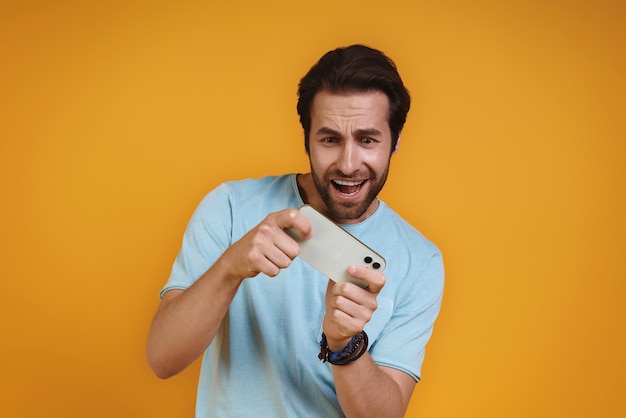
(225, 276)
(336, 345)
(352, 351)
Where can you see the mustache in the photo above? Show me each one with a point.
(368, 174)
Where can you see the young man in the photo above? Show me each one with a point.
(239, 293)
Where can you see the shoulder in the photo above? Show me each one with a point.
(240, 192)
(388, 222)
(259, 184)
(412, 259)
(241, 204)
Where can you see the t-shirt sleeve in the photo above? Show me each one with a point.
(402, 342)
(207, 236)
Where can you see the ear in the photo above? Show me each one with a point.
(397, 145)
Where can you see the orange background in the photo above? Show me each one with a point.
(117, 117)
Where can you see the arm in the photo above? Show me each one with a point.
(186, 321)
(363, 388)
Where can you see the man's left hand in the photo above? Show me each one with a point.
(349, 307)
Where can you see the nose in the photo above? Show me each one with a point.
(348, 161)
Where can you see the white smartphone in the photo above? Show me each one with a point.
(331, 249)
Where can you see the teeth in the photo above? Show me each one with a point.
(347, 183)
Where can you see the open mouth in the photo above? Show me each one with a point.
(348, 188)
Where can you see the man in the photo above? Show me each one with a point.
(239, 293)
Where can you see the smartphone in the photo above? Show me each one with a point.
(331, 249)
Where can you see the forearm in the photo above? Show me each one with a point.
(186, 323)
(365, 389)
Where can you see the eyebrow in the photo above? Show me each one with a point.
(359, 132)
(368, 132)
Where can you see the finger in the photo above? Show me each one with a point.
(349, 317)
(344, 324)
(294, 220)
(353, 300)
(273, 240)
(375, 279)
(281, 257)
(257, 252)
(274, 254)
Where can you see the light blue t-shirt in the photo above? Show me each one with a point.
(263, 360)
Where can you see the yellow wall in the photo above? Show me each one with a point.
(116, 117)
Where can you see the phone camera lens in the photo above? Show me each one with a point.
(376, 265)
(367, 259)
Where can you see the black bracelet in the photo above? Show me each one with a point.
(355, 349)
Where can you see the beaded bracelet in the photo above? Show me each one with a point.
(355, 349)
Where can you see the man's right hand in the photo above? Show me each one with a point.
(267, 248)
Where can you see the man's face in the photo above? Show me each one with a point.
(350, 151)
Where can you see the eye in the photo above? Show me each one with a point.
(366, 140)
(330, 140)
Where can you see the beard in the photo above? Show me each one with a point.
(349, 210)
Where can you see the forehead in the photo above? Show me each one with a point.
(368, 107)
